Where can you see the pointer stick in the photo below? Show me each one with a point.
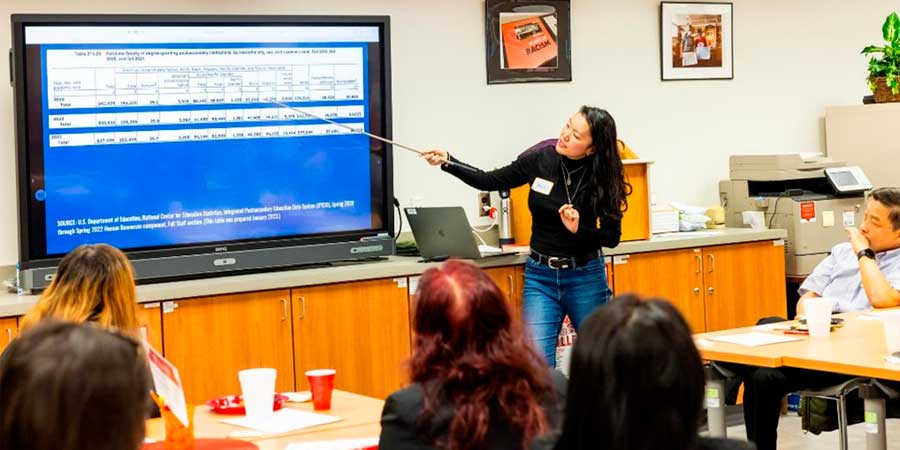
(373, 136)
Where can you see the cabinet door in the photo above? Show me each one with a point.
(9, 329)
(360, 329)
(743, 283)
(509, 280)
(149, 316)
(674, 275)
(210, 339)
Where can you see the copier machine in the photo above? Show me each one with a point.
(809, 195)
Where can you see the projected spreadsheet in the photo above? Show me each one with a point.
(110, 96)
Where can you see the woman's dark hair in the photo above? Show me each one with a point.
(636, 380)
(68, 386)
(608, 188)
(471, 352)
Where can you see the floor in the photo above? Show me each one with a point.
(791, 437)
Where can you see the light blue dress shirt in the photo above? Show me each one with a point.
(838, 277)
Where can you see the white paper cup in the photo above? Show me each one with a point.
(258, 389)
(818, 316)
(891, 321)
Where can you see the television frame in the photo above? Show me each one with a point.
(210, 258)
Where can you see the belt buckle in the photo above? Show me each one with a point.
(555, 262)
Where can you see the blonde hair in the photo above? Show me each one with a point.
(94, 283)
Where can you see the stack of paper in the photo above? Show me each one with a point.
(754, 339)
(283, 421)
(343, 444)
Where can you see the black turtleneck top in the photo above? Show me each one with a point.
(548, 234)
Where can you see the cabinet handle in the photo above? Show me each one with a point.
(302, 308)
(699, 263)
(284, 312)
(710, 290)
(696, 291)
(512, 287)
(712, 263)
(9, 334)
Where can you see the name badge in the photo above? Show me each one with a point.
(541, 186)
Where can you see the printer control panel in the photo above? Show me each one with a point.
(848, 180)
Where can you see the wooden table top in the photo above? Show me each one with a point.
(361, 419)
(858, 349)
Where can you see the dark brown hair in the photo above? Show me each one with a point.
(608, 188)
(636, 380)
(889, 197)
(469, 351)
(68, 386)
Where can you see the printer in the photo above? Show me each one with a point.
(810, 196)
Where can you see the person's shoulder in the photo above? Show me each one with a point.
(842, 250)
(542, 150)
(405, 403)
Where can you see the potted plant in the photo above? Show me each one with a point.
(884, 72)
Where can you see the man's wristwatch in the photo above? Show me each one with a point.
(867, 252)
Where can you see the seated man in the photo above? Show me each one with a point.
(859, 274)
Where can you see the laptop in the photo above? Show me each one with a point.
(444, 232)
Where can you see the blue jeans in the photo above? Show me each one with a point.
(551, 294)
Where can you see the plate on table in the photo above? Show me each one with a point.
(234, 404)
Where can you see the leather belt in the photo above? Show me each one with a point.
(561, 262)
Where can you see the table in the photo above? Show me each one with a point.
(857, 349)
(361, 419)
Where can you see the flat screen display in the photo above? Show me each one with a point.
(161, 134)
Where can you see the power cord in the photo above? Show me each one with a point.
(477, 232)
(775, 210)
(400, 216)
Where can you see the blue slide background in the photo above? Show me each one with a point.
(133, 179)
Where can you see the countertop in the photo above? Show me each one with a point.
(394, 266)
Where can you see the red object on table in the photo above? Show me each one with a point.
(234, 404)
(210, 444)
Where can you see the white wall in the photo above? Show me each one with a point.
(791, 59)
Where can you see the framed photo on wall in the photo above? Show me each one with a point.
(527, 41)
(696, 41)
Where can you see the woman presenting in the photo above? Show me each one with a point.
(577, 198)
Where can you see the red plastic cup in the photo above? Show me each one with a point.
(321, 385)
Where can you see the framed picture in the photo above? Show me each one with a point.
(527, 41)
(696, 41)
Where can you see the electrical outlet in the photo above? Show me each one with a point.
(484, 203)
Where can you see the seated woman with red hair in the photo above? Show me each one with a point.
(478, 382)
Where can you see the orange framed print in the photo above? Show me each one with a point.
(527, 41)
(696, 41)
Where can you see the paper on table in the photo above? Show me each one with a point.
(283, 421)
(773, 326)
(167, 383)
(873, 314)
(341, 444)
(754, 339)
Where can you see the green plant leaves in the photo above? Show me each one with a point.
(891, 28)
(888, 65)
(872, 49)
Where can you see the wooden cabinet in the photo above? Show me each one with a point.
(510, 280)
(149, 316)
(743, 283)
(9, 329)
(360, 329)
(675, 275)
(210, 339)
(716, 287)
